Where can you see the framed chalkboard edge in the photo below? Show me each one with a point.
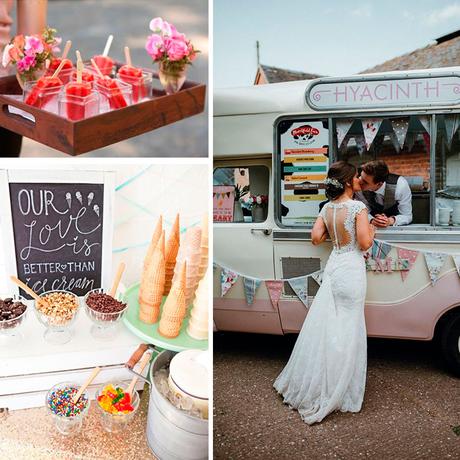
(7, 236)
(107, 229)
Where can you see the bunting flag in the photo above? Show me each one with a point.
(378, 143)
(370, 127)
(227, 280)
(394, 140)
(318, 276)
(342, 127)
(250, 287)
(400, 127)
(434, 262)
(451, 122)
(344, 146)
(410, 140)
(300, 287)
(360, 143)
(411, 256)
(274, 288)
(425, 120)
(380, 249)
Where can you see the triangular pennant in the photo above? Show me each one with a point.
(457, 263)
(380, 249)
(250, 288)
(360, 143)
(370, 127)
(394, 140)
(411, 256)
(318, 276)
(345, 142)
(342, 127)
(227, 280)
(274, 288)
(410, 140)
(300, 287)
(425, 120)
(451, 122)
(434, 262)
(400, 127)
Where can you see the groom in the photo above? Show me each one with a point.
(387, 196)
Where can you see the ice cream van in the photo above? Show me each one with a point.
(272, 148)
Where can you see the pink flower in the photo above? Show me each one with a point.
(26, 63)
(33, 45)
(55, 47)
(157, 25)
(191, 52)
(155, 46)
(176, 34)
(176, 49)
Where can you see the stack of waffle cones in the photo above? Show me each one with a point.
(153, 282)
(175, 306)
(198, 324)
(190, 252)
(204, 247)
(172, 248)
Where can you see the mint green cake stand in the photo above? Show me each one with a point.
(149, 332)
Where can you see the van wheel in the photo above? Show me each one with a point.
(450, 343)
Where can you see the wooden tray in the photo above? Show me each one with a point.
(149, 332)
(77, 137)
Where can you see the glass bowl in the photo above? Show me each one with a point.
(114, 423)
(57, 331)
(10, 328)
(67, 425)
(141, 86)
(105, 325)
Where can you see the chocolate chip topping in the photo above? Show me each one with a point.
(104, 303)
(10, 309)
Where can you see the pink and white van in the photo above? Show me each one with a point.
(277, 141)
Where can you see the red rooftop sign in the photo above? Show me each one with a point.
(384, 92)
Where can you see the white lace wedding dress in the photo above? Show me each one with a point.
(327, 368)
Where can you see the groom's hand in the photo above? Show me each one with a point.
(381, 221)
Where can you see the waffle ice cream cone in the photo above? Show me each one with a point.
(172, 249)
(155, 237)
(152, 285)
(174, 309)
(204, 246)
(198, 324)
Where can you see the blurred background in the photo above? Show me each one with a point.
(88, 23)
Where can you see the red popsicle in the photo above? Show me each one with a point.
(112, 91)
(40, 94)
(55, 63)
(105, 63)
(86, 76)
(75, 92)
(133, 76)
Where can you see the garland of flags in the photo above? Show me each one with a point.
(379, 253)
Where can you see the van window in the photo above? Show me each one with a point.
(448, 170)
(402, 142)
(245, 189)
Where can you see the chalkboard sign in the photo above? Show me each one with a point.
(58, 235)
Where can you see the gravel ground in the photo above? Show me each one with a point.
(410, 411)
(89, 22)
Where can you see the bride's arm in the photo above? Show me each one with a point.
(319, 231)
(364, 230)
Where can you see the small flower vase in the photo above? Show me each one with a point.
(238, 212)
(31, 76)
(172, 80)
(258, 213)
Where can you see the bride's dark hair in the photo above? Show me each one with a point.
(339, 174)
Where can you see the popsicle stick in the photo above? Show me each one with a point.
(144, 361)
(107, 46)
(79, 67)
(128, 57)
(47, 64)
(86, 384)
(116, 281)
(67, 46)
(26, 288)
(96, 68)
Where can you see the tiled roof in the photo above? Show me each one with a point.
(445, 52)
(275, 74)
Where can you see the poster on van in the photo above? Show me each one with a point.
(304, 150)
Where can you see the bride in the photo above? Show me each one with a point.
(327, 368)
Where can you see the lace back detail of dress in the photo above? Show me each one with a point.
(340, 220)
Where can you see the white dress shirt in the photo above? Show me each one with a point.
(403, 196)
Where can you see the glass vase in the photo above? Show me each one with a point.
(172, 80)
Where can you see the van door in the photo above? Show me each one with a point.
(301, 161)
(245, 245)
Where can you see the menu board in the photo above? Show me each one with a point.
(303, 165)
(55, 233)
(223, 198)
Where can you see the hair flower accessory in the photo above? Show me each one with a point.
(333, 182)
